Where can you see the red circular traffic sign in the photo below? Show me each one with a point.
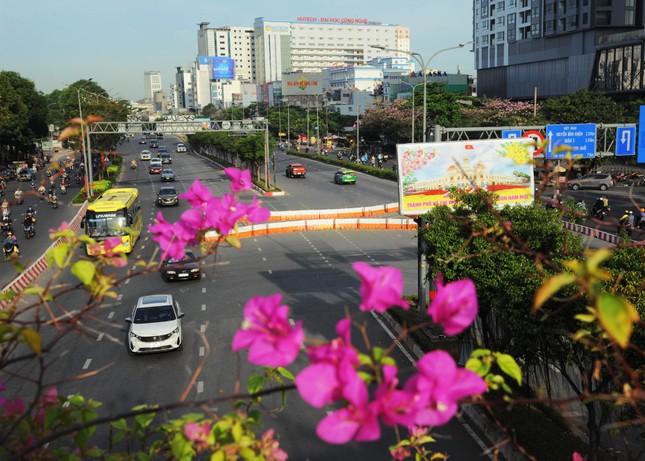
(538, 137)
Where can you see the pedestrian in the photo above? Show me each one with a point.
(373, 161)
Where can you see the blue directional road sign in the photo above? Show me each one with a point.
(626, 140)
(640, 155)
(579, 140)
(511, 133)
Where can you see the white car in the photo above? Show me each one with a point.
(181, 147)
(145, 155)
(155, 325)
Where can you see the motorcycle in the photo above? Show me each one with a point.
(63, 189)
(28, 228)
(18, 196)
(9, 248)
(601, 213)
(53, 200)
(133, 164)
(6, 226)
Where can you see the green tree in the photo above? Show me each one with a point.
(583, 106)
(209, 110)
(14, 117)
(390, 124)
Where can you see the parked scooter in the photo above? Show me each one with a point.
(63, 189)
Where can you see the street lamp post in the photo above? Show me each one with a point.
(414, 88)
(85, 145)
(424, 69)
(422, 265)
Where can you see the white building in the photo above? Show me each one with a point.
(314, 44)
(151, 83)
(183, 89)
(237, 43)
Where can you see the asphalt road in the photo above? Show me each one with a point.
(312, 270)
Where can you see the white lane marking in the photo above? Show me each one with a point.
(200, 387)
(291, 321)
(86, 365)
(120, 297)
(127, 280)
(202, 328)
(263, 258)
(270, 272)
(202, 351)
(133, 268)
(204, 290)
(99, 337)
(485, 448)
(259, 249)
(110, 315)
(203, 307)
(391, 335)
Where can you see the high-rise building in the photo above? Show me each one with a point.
(314, 44)
(151, 83)
(234, 42)
(557, 46)
(183, 94)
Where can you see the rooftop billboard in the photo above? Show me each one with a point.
(223, 68)
(309, 83)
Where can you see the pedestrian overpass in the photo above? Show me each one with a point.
(179, 126)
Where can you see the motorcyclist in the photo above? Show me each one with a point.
(3, 186)
(10, 245)
(28, 225)
(626, 222)
(641, 219)
(31, 212)
(18, 196)
(5, 208)
(53, 199)
(600, 205)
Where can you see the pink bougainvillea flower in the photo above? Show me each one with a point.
(223, 214)
(396, 406)
(163, 233)
(269, 448)
(332, 374)
(197, 432)
(240, 179)
(357, 421)
(198, 195)
(267, 333)
(15, 407)
(382, 287)
(439, 385)
(255, 213)
(578, 457)
(454, 306)
(189, 225)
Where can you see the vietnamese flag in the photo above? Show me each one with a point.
(469, 147)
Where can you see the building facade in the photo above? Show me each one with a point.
(314, 44)
(151, 83)
(237, 43)
(556, 47)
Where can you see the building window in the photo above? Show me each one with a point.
(561, 25)
(512, 3)
(603, 18)
(500, 6)
(485, 40)
(484, 11)
(549, 8)
(500, 21)
(549, 26)
(535, 30)
(572, 22)
(510, 18)
(499, 36)
(629, 18)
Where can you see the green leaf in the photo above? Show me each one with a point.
(286, 373)
(509, 366)
(233, 241)
(33, 340)
(218, 456)
(617, 317)
(480, 353)
(58, 255)
(120, 424)
(237, 431)
(254, 384)
(551, 287)
(84, 271)
(586, 318)
(145, 419)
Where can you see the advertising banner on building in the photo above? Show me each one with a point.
(309, 83)
(429, 171)
(223, 68)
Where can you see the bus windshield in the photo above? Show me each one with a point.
(103, 225)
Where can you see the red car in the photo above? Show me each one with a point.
(296, 170)
(155, 167)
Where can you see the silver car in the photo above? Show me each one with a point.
(155, 325)
(602, 181)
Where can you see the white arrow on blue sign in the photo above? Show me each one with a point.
(626, 140)
(578, 140)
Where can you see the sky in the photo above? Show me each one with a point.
(58, 42)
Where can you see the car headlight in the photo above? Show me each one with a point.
(175, 331)
(171, 272)
(196, 269)
(134, 335)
